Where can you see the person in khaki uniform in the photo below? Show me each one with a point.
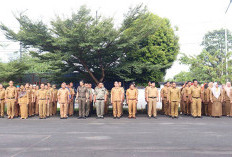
(33, 90)
(50, 105)
(63, 99)
(2, 101)
(81, 97)
(148, 86)
(116, 100)
(36, 100)
(88, 100)
(55, 99)
(17, 107)
(205, 102)
(163, 98)
(71, 100)
(48, 96)
(182, 104)
(42, 98)
(123, 97)
(217, 99)
(29, 91)
(152, 98)
(210, 86)
(10, 97)
(227, 98)
(23, 99)
(132, 100)
(174, 99)
(100, 97)
(186, 98)
(196, 99)
(223, 102)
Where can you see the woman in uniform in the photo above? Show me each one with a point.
(23, 100)
(217, 99)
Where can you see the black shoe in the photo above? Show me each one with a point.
(155, 117)
(83, 117)
(173, 117)
(40, 118)
(118, 117)
(79, 118)
(114, 118)
(98, 118)
(102, 117)
(199, 117)
(61, 118)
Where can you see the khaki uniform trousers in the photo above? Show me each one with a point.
(152, 107)
(63, 110)
(196, 107)
(48, 109)
(54, 110)
(132, 106)
(117, 107)
(174, 108)
(42, 108)
(10, 107)
(37, 107)
(24, 110)
(165, 102)
(70, 108)
(30, 108)
(16, 110)
(2, 107)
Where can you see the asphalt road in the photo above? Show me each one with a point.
(141, 137)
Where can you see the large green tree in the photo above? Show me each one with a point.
(210, 64)
(144, 44)
(150, 56)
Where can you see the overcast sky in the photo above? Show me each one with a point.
(194, 18)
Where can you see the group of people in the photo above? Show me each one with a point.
(195, 100)
(208, 99)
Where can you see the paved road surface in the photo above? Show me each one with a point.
(141, 137)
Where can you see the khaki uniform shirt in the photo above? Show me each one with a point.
(11, 92)
(152, 92)
(100, 93)
(2, 93)
(174, 94)
(42, 93)
(164, 92)
(63, 95)
(186, 93)
(196, 92)
(116, 94)
(132, 94)
(24, 99)
(55, 91)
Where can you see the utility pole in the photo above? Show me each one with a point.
(226, 45)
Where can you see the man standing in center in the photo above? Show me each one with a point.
(116, 100)
(89, 99)
(196, 99)
(100, 97)
(63, 99)
(132, 100)
(42, 100)
(152, 97)
(174, 100)
(81, 97)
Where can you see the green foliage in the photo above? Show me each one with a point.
(140, 50)
(154, 52)
(209, 65)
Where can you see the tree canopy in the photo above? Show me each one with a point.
(141, 49)
(210, 64)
